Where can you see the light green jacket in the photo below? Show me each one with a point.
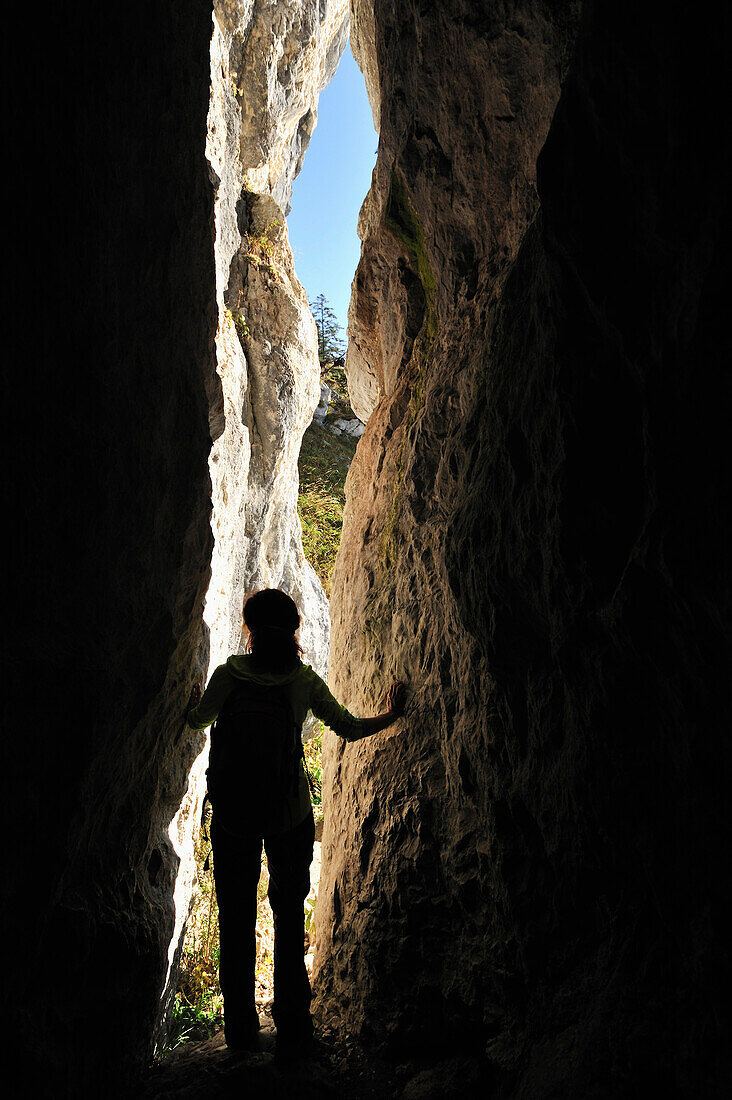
(304, 690)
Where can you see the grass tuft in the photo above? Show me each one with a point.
(323, 465)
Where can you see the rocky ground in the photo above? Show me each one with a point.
(338, 1068)
(208, 1069)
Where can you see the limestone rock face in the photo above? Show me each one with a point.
(276, 60)
(322, 410)
(353, 427)
(268, 65)
(524, 865)
(467, 141)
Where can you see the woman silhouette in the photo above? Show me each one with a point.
(272, 663)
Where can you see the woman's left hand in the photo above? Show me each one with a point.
(194, 698)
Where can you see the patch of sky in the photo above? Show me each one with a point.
(329, 192)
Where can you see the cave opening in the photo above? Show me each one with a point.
(522, 890)
(270, 363)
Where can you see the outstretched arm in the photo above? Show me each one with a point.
(204, 709)
(341, 721)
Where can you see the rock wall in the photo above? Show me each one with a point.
(524, 867)
(114, 315)
(269, 63)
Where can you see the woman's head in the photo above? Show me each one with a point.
(272, 619)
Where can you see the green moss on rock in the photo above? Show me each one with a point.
(403, 223)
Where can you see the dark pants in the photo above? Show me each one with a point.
(237, 866)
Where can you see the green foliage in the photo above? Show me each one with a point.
(261, 249)
(197, 1011)
(239, 321)
(403, 222)
(198, 980)
(323, 465)
(336, 379)
(196, 1022)
(330, 344)
(312, 750)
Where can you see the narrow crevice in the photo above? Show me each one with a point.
(519, 892)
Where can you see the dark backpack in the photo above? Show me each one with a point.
(254, 761)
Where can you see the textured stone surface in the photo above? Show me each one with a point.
(322, 410)
(268, 65)
(277, 58)
(524, 866)
(471, 94)
(353, 427)
(111, 498)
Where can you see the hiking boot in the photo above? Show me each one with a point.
(241, 1036)
(242, 1043)
(293, 1048)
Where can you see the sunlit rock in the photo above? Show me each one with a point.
(352, 427)
(325, 397)
(275, 59)
(268, 66)
(407, 836)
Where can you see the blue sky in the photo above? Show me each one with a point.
(329, 192)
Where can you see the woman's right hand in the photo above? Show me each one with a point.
(395, 698)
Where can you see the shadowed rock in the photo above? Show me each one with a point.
(524, 866)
